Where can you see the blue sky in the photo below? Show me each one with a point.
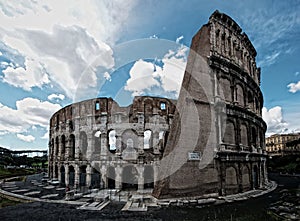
(53, 53)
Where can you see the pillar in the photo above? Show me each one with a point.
(118, 180)
(88, 175)
(67, 175)
(77, 171)
(140, 169)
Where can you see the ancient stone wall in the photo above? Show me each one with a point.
(221, 92)
(97, 142)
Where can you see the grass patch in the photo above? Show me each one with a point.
(6, 173)
(6, 202)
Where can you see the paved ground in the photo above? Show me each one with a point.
(252, 209)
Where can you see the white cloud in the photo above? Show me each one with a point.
(26, 138)
(107, 76)
(29, 112)
(45, 136)
(142, 77)
(1, 53)
(274, 119)
(149, 78)
(56, 96)
(32, 75)
(179, 39)
(297, 73)
(294, 87)
(64, 40)
(269, 59)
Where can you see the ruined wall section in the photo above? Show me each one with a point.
(222, 81)
(80, 134)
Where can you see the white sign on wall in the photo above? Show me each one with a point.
(194, 156)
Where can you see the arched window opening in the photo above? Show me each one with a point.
(63, 145)
(71, 175)
(229, 135)
(72, 146)
(97, 105)
(112, 141)
(147, 139)
(253, 137)
(56, 146)
(97, 143)
(83, 143)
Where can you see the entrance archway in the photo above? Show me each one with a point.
(255, 177)
(95, 179)
(62, 175)
(111, 176)
(130, 178)
(82, 176)
(71, 175)
(148, 177)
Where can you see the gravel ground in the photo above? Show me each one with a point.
(252, 209)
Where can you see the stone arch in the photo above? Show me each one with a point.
(253, 136)
(129, 178)
(231, 180)
(97, 142)
(147, 139)
(246, 178)
(56, 151)
(71, 175)
(112, 141)
(225, 84)
(82, 175)
(95, 178)
(63, 146)
(72, 147)
(240, 99)
(62, 175)
(250, 100)
(83, 143)
(255, 177)
(55, 171)
(148, 177)
(244, 134)
(52, 148)
(111, 178)
(229, 135)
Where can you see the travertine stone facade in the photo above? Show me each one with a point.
(222, 82)
(211, 141)
(95, 143)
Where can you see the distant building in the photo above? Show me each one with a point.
(283, 144)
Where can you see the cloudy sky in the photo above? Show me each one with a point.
(53, 53)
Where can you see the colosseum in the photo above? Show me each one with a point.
(210, 141)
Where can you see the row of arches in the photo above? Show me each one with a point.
(130, 177)
(243, 179)
(129, 139)
(242, 134)
(235, 92)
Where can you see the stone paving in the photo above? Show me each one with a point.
(35, 190)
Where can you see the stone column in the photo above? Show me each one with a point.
(104, 143)
(54, 172)
(103, 181)
(118, 143)
(67, 175)
(141, 144)
(77, 171)
(58, 173)
(118, 180)
(88, 175)
(90, 146)
(140, 169)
